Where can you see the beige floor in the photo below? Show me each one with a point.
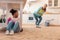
(32, 33)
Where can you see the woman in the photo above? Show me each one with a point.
(13, 23)
(38, 15)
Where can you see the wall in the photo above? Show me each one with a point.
(34, 5)
(55, 21)
(26, 20)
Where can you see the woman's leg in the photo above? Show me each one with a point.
(36, 18)
(40, 19)
(16, 27)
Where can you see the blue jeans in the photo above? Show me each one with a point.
(13, 26)
(38, 18)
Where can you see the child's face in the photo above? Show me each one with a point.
(16, 15)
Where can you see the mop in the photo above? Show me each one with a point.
(47, 22)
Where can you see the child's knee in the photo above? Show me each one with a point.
(16, 22)
(10, 22)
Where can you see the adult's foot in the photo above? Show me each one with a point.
(37, 26)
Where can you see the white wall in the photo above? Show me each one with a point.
(26, 20)
(34, 5)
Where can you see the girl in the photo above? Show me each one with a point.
(38, 15)
(13, 23)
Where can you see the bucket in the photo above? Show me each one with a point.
(47, 23)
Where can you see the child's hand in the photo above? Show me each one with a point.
(15, 19)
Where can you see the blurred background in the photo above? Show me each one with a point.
(26, 8)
